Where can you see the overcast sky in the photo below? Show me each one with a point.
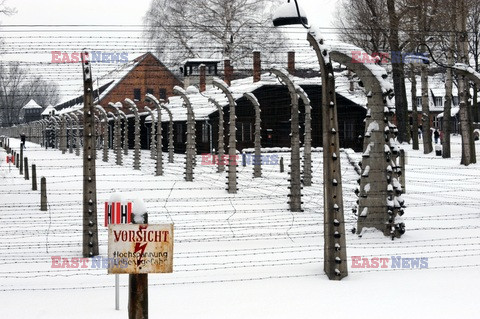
(35, 44)
(119, 11)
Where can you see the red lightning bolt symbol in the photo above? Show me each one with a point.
(140, 248)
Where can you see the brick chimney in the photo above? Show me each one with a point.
(228, 71)
(257, 66)
(291, 62)
(203, 78)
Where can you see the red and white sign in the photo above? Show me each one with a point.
(118, 213)
(140, 248)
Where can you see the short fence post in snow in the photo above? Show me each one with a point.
(27, 177)
(282, 167)
(21, 159)
(43, 194)
(34, 177)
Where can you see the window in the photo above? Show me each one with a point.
(455, 100)
(348, 130)
(137, 93)
(179, 133)
(436, 122)
(247, 132)
(244, 132)
(438, 101)
(150, 91)
(419, 101)
(205, 133)
(162, 94)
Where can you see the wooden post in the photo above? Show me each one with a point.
(27, 177)
(16, 160)
(282, 166)
(43, 194)
(90, 228)
(34, 177)
(138, 289)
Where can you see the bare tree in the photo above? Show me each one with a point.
(183, 29)
(363, 23)
(17, 87)
(377, 25)
(473, 28)
(465, 112)
(6, 10)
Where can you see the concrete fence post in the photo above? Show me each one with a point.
(257, 159)
(295, 180)
(221, 136)
(136, 150)
(232, 142)
(190, 145)
(307, 139)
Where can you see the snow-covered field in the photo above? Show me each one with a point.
(243, 255)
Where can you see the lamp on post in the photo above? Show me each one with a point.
(335, 254)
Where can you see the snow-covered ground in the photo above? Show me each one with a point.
(243, 255)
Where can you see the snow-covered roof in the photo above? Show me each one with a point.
(202, 107)
(49, 109)
(453, 111)
(106, 83)
(31, 105)
(200, 60)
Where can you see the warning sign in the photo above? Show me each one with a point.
(140, 248)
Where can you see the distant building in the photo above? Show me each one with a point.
(191, 71)
(49, 111)
(436, 101)
(145, 74)
(274, 100)
(31, 112)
